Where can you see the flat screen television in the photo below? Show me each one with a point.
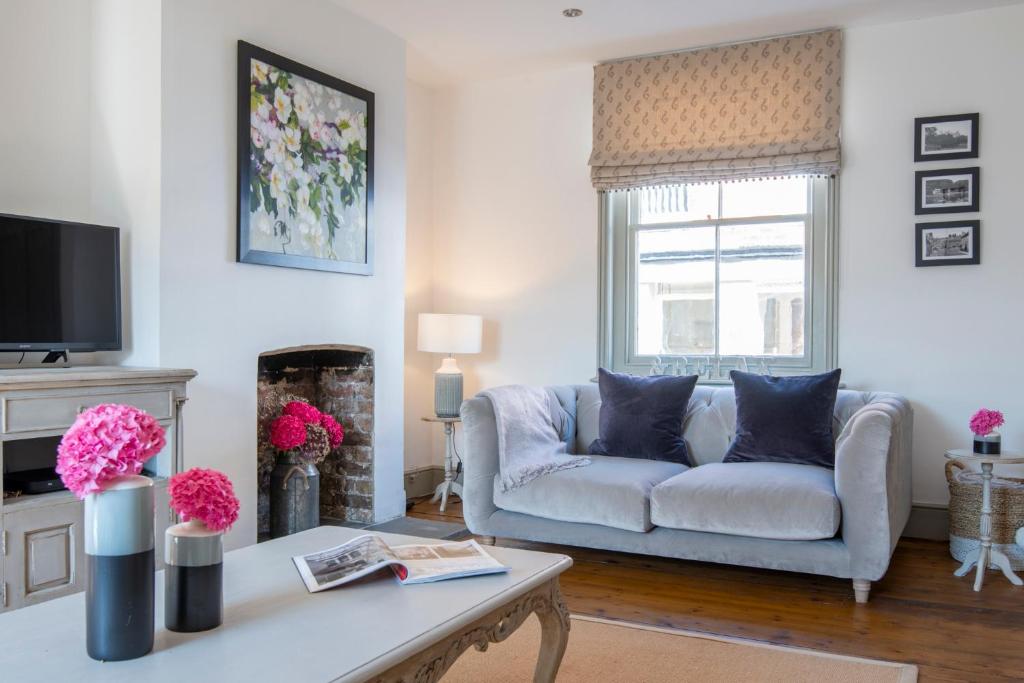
(60, 285)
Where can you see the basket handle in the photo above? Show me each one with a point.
(950, 464)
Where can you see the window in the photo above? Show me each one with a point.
(718, 276)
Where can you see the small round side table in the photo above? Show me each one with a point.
(986, 554)
(449, 486)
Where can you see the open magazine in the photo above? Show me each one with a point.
(411, 563)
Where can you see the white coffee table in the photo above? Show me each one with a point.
(274, 630)
(986, 554)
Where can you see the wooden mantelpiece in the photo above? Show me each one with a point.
(41, 552)
(87, 376)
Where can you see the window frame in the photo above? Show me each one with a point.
(619, 222)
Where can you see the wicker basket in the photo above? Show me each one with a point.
(965, 513)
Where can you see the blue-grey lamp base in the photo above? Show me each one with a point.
(447, 394)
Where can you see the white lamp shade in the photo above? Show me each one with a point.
(449, 333)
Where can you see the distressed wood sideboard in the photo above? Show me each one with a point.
(41, 537)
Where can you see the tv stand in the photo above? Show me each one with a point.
(54, 356)
(41, 535)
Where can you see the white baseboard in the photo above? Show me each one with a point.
(423, 480)
(928, 521)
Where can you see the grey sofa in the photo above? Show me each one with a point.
(801, 518)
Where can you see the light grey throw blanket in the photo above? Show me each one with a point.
(532, 434)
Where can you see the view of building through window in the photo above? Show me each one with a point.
(721, 268)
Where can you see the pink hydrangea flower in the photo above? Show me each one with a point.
(305, 412)
(105, 442)
(287, 432)
(985, 420)
(334, 430)
(206, 496)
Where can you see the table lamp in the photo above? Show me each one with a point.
(448, 333)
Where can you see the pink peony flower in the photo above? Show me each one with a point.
(334, 430)
(287, 432)
(206, 496)
(305, 412)
(106, 442)
(984, 421)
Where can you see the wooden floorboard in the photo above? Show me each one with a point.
(918, 613)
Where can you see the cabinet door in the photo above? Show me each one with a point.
(45, 553)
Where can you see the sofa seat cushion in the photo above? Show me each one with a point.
(610, 491)
(781, 501)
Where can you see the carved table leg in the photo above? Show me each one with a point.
(429, 665)
(984, 553)
(554, 636)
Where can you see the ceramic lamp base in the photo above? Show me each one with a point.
(448, 389)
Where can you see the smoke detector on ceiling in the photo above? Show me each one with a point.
(572, 12)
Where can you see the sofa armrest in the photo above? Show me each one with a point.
(479, 461)
(873, 482)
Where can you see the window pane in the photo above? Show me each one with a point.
(678, 204)
(675, 291)
(762, 290)
(772, 197)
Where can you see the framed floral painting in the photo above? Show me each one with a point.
(305, 166)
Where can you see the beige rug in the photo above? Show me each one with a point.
(602, 650)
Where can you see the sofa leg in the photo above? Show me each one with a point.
(861, 590)
(486, 540)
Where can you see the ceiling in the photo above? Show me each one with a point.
(454, 41)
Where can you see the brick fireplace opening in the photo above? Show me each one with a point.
(337, 379)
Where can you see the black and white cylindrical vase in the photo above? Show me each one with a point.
(119, 596)
(193, 578)
(989, 444)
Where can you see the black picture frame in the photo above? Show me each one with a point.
(948, 230)
(924, 203)
(246, 253)
(921, 137)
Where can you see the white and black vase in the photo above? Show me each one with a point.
(194, 578)
(119, 596)
(989, 444)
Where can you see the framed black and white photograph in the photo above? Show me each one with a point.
(949, 243)
(305, 166)
(941, 138)
(947, 190)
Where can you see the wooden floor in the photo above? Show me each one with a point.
(918, 613)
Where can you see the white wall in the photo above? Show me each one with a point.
(125, 160)
(518, 220)
(79, 136)
(422, 439)
(44, 136)
(948, 338)
(512, 236)
(217, 315)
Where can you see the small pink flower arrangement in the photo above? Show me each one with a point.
(206, 496)
(105, 442)
(985, 420)
(307, 431)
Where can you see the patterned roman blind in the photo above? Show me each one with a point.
(763, 108)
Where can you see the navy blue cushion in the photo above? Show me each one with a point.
(642, 417)
(784, 419)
